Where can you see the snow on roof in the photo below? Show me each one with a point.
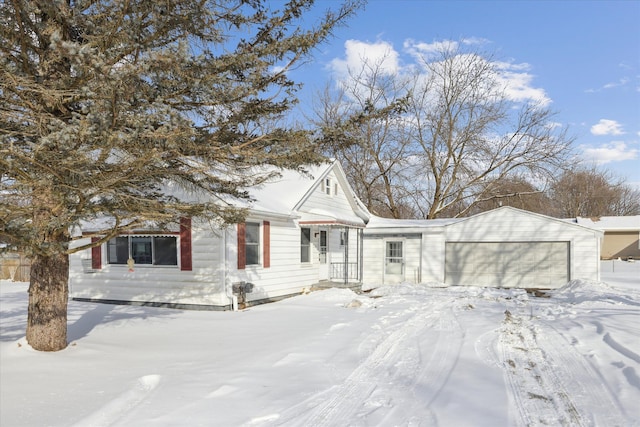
(281, 194)
(612, 223)
(322, 215)
(378, 222)
(278, 196)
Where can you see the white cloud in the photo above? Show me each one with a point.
(615, 151)
(518, 83)
(379, 54)
(514, 77)
(607, 127)
(510, 66)
(519, 88)
(423, 50)
(623, 81)
(475, 41)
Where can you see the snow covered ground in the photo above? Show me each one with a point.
(403, 355)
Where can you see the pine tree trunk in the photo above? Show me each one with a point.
(48, 295)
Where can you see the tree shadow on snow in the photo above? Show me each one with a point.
(104, 313)
(13, 322)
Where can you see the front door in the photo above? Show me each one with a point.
(393, 261)
(323, 246)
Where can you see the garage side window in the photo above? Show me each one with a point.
(150, 250)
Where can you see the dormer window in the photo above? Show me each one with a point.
(329, 187)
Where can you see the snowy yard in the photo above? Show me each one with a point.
(402, 355)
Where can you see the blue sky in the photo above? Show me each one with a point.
(582, 56)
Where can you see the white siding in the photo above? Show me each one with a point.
(373, 260)
(204, 284)
(500, 225)
(165, 284)
(286, 275)
(336, 205)
(412, 245)
(508, 225)
(433, 248)
(374, 257)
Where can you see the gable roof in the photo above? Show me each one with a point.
(280, 197)
(416, 225)
(282, 194)
(377, 222)
(288, 193)
(534, 215)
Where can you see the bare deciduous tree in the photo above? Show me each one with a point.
(469, 136)
(362, 127)
(591, 193)
(456, 135)
(516, 192)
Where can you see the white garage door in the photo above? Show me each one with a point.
(507, 264)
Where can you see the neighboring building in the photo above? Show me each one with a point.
(301, 232)
(505, 247)
(621, 235)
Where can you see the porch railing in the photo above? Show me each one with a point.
(338, 271)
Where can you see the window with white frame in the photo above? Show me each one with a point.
(327, 186)
(305, 244)
(150, 250)
(252, 243)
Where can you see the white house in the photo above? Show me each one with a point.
(301, 231)
(309, 231)
(505, 247)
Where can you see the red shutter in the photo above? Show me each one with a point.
(96, 255)
(242, 254)
(266, 244)
(185, 244)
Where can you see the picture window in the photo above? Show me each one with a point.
(149, 250)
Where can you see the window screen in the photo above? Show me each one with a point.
(150, 250)
(305, 240)
(252, 242)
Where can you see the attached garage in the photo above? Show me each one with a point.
(507, 264)
(505, 247)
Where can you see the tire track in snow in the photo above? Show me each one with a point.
(594, 400)
(549, 381)
(393, 368)
(443, 356)
(538, 396)
(350, 396)
(119, 407)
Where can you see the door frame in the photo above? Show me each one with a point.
(394, 278)
(323, 267)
